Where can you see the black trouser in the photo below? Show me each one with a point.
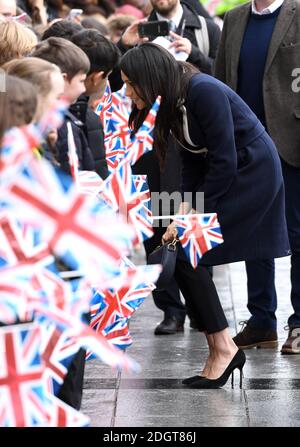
(71, 389)
(201, 296)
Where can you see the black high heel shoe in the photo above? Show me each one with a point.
(192, 379)
(237, 362)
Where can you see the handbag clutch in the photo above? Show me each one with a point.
(164, 254)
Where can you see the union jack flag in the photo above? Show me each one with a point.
(142, 189)
(18, 143)
(69, 219)
(87, 338)
(62, 415)
(16, 148)
(142, 141)
(53, 292)
(198, 233)
(115, 152)
(22, 387)
(16, 293)
(13, 303)
(57, 354)
(114, 114)
(89, 182)
(14, 248)
(130, 196)
(104, 108)
(112, 308)
(118, 124)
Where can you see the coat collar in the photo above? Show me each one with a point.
(283, 21)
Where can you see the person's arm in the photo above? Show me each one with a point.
(200, 60)
(87, 159)
(219, 68)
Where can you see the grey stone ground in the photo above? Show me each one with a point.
(156, 398)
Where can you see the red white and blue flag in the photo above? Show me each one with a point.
(111, 309)
(62, 415)
(69, 219)
(142, 141)
(129, 196)
(198, 233)
(23, 390)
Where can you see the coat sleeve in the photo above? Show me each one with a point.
(87, 159)
(219, 68)
(212, 111)
(200, 60)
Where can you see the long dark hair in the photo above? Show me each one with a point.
(153, 71)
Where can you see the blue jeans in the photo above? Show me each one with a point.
(262, 299)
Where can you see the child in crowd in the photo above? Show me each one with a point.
(16, 41)
(104, 57)
(74, 65)
(49, 84)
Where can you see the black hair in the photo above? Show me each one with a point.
(102, 53)
(63, 28)
(153, 72)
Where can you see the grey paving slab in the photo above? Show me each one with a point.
(269, 363)
(96, 368)
(99, 405)
(185, 403)
(274, 408)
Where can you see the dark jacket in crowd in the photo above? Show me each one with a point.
(192, 22)
(93, 131)
(85, 157)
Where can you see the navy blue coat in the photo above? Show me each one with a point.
(240, 176)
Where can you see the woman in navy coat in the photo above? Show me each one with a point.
(226, 154)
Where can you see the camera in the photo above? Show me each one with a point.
(154, 29)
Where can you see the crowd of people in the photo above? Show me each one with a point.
(228, 126)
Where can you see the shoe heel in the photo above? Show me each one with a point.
(232, 379)
(267, 344)
(241, 378)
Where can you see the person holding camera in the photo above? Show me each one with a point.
(193, 33)
(197, 36)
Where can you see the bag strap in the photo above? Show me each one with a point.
(202, 37)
